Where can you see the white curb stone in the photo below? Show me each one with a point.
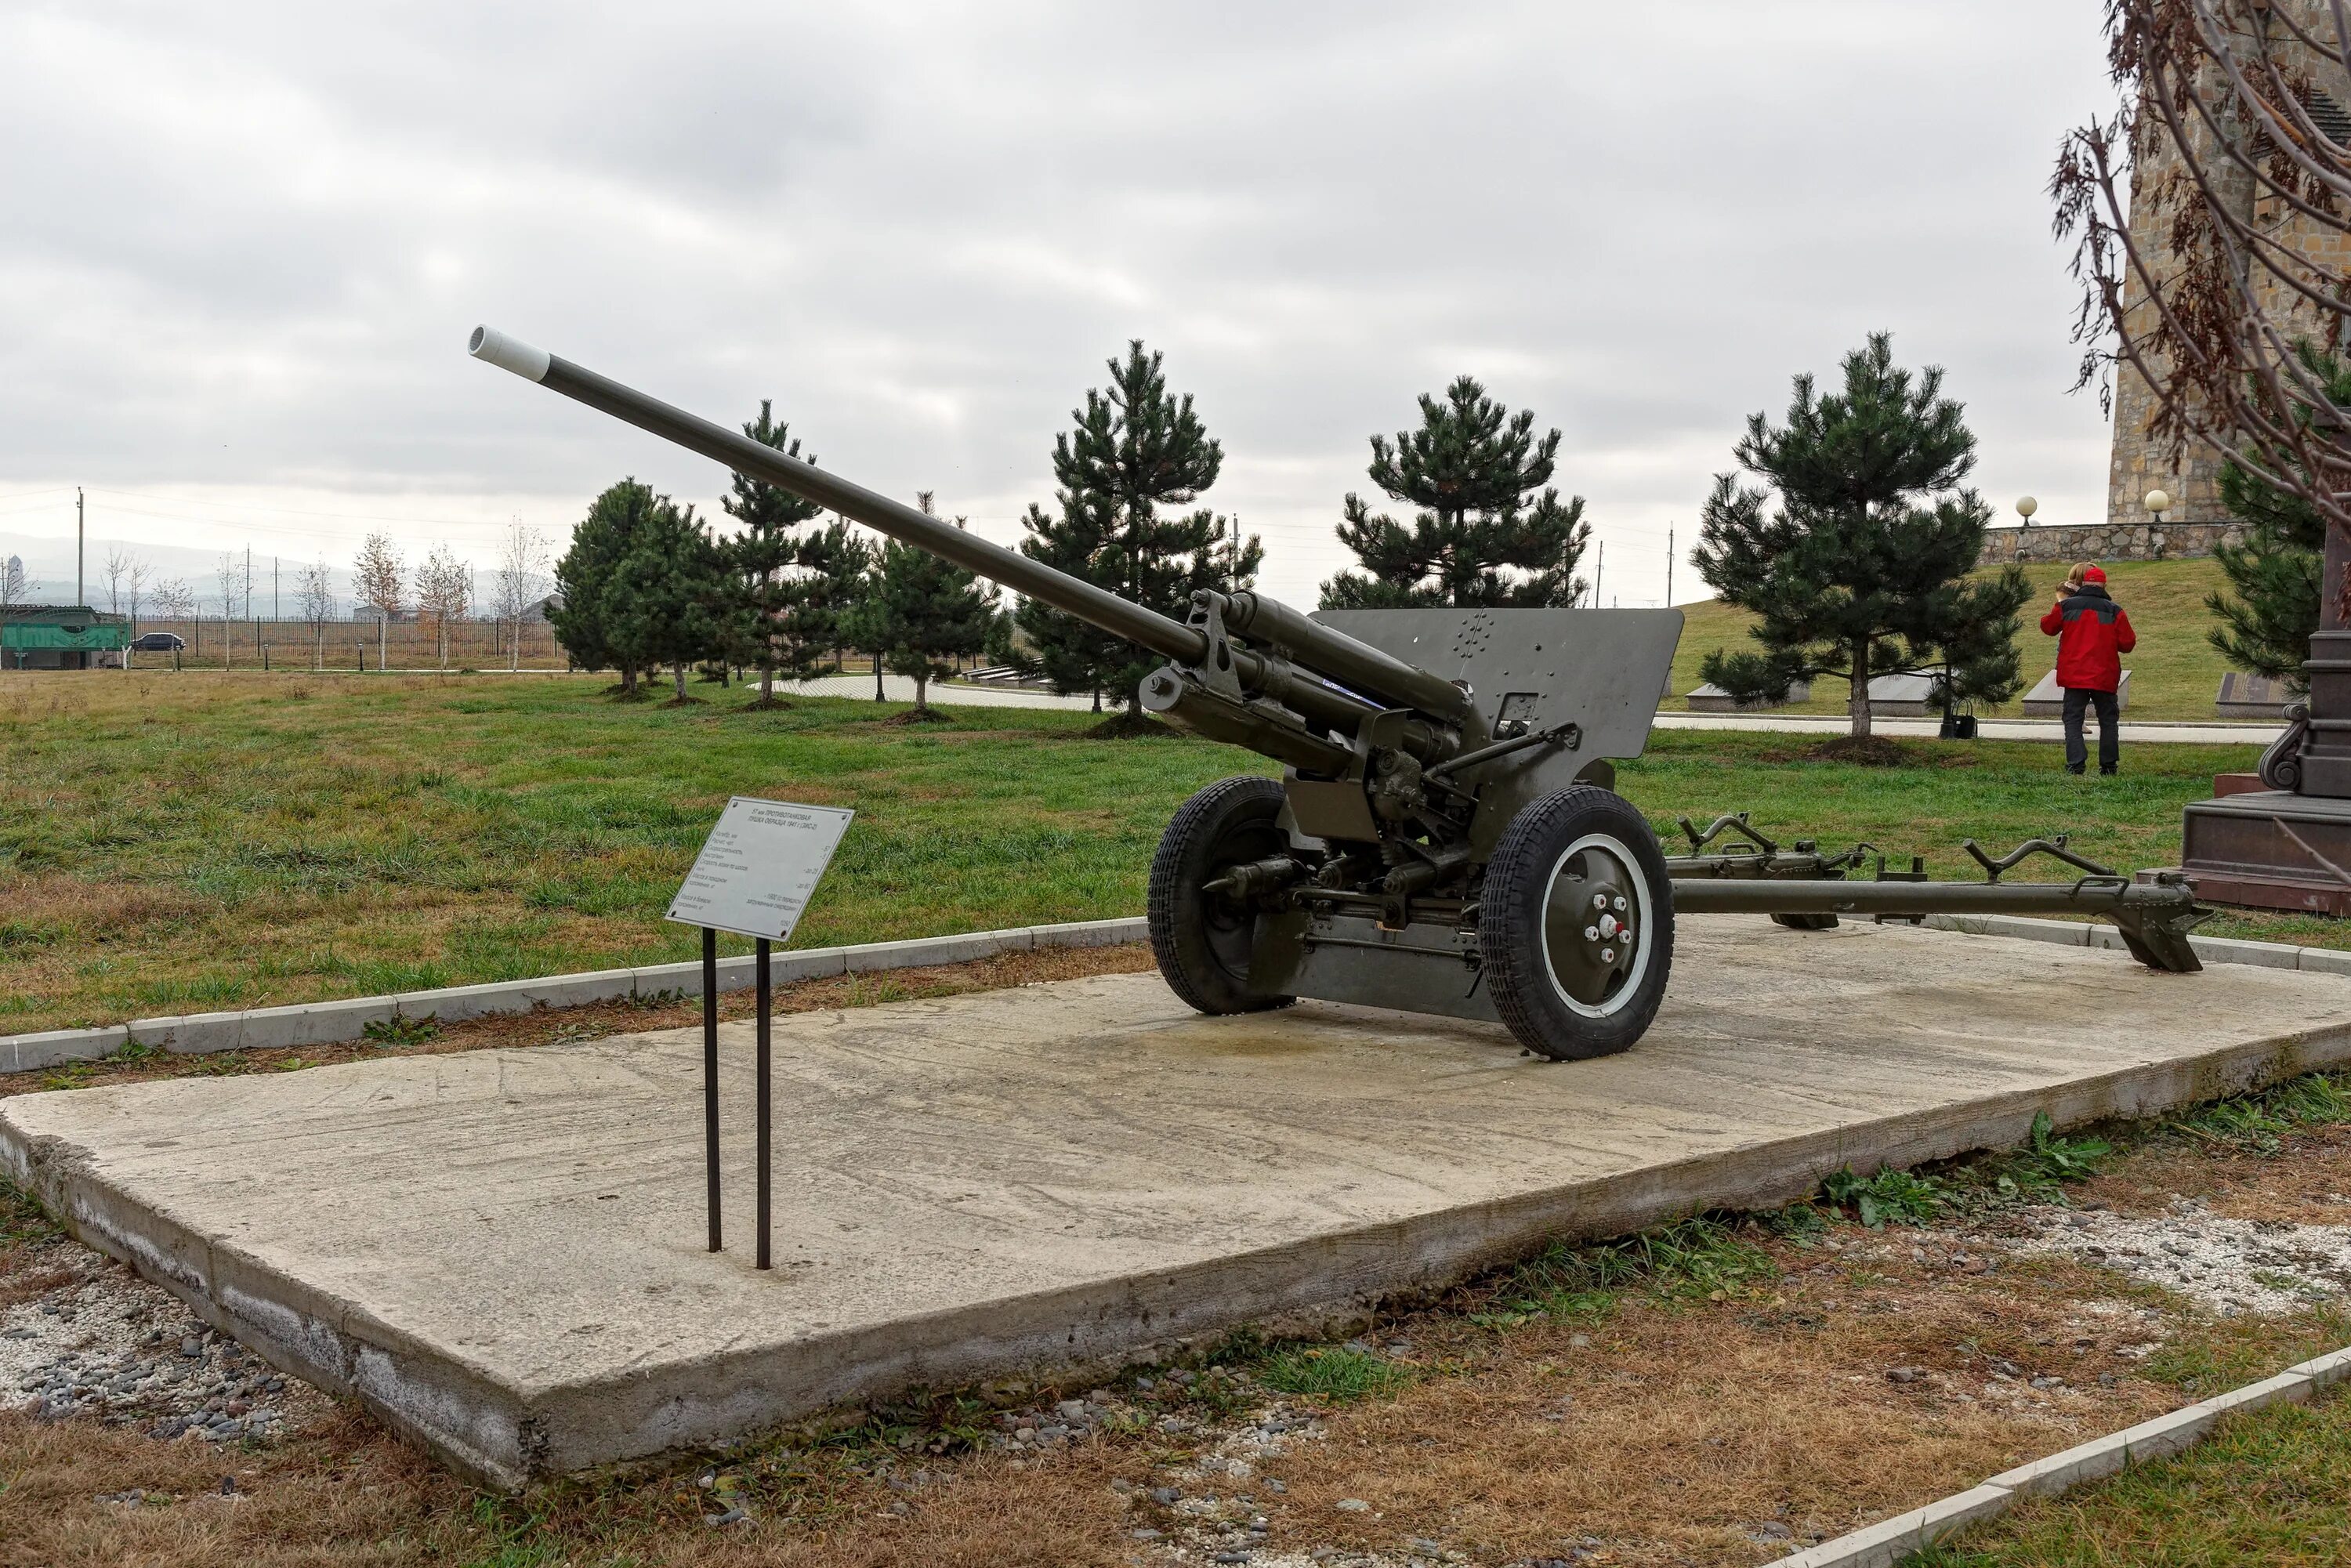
(328, 1023)
(2080, 934)
(2326, 1371)
(1884, 1544)
(25, 1052)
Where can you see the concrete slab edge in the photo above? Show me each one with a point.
(333, 1022)
(1886, 1543)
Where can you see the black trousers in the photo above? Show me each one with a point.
(2078, 754)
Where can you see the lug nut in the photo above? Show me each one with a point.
(1599, 901)
(1591, 933)
(1620, 901)
(1608, 955)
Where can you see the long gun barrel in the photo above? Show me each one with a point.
(1359, 667)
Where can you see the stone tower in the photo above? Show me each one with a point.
(2138, 462)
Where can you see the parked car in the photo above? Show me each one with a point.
(159, 642)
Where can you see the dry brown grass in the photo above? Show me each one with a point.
(1682, 1427)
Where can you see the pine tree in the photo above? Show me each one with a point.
(587, 574)
(2272, 609)
(766, 559)
(835, 565)
(1864, 567)
(1134, 451)
(923, 613)
(2275, 574)
(667, 602)
(1482, 536)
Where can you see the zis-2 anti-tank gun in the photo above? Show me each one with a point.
(1446, 837)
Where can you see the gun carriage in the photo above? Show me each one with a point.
(1445, 837)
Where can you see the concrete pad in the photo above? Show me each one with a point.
(501, 1250)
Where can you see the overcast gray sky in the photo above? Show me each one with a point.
(244, 244)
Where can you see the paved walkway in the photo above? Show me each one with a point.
(948, 694)
(2215, 731)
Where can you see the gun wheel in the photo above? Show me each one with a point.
(1577, 924)
(1202, 940)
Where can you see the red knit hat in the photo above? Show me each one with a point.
(2095, 574)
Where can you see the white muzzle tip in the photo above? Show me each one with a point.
(509, 353)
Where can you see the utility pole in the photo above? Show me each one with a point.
(78, 547)
(273, 588)
(1669, 565)
(1599, 566)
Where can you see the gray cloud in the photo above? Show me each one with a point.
(244, 244)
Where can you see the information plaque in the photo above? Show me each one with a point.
(759, 867)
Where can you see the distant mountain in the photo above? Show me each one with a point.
(49, 562)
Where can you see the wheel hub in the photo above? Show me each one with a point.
(1588, 925)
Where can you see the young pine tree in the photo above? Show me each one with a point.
(923, 613)
(1861, 568)
(2272, 606)
(588, 574)
(666, 602)
(766, 561)
(2274, 577)
(835, 573)
(1482, 536)
(1136, 453)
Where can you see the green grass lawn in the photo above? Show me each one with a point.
(2175, 673)
(2271, 1488)
(192, 842)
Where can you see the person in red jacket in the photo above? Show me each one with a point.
(2092, 634)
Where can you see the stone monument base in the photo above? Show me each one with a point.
(2268, 849)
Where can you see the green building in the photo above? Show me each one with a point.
(59, 637)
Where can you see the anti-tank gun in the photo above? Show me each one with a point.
(1445, 837)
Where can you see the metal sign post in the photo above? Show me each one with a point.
(710, 1078)
(753, 877)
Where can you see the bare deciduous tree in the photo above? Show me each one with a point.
(229, 572)
(316, 590)
(116, 570)
(2231, 293)
(174, 600)
(520, 582)
(444, 591)
(379, 576)
(15, 587)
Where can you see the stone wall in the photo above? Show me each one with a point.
(2102, 542)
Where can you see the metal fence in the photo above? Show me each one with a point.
(213, 644)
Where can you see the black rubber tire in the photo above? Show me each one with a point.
(1620, 857)
(1201, 940)
(1806, 922)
